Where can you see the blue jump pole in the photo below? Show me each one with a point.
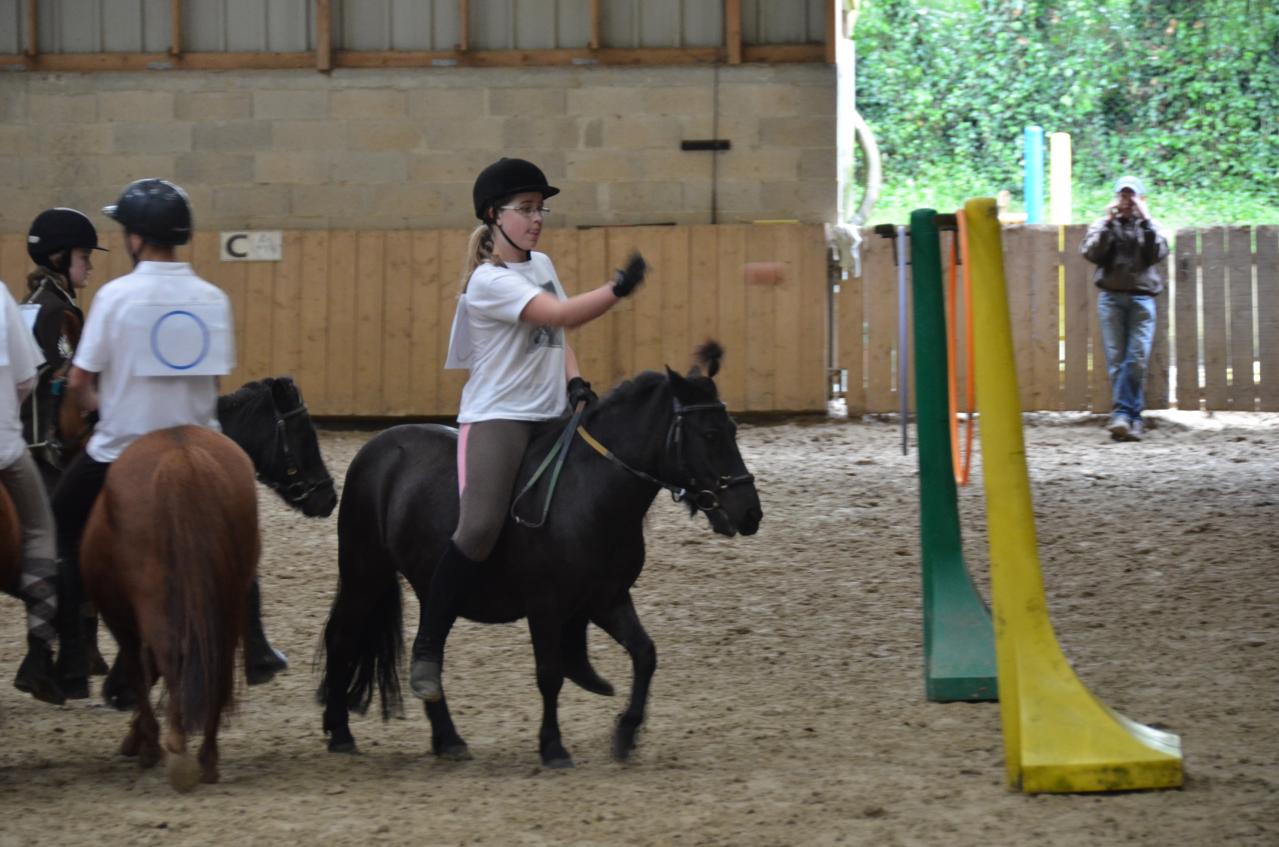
(1033, 185)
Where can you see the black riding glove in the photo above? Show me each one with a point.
(579, 391)
(628, 277)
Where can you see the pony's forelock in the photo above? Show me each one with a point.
(709, 355)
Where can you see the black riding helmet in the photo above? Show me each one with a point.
(155, 209)
(506, 177)
(55, 230)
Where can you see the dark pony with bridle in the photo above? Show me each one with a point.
(269, 421)
(400, 506)
(168, 556)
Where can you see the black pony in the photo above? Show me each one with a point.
(400, 506)
(271, 424)
(269, 421)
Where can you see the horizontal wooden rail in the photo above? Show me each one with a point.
(337, 58)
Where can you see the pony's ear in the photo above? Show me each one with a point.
(687, 391)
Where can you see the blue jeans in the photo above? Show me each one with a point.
(1128, 330)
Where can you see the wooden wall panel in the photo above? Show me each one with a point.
(1239, 313)
(880, 271)
(428, 324)
(1017, 244)
(732, 314)
(1045, 299)
(1213, 296)
(850, 332)
(1184, 278)
(1268, 316)
(1077, 281)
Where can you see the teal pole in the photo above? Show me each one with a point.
(959, 639)
(1033, 184)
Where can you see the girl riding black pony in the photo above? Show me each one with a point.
(576, 566)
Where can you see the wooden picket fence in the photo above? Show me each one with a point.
(362, 319)
(1216, 343)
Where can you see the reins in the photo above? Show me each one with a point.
(704, 499)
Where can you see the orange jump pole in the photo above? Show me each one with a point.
(1057, 736)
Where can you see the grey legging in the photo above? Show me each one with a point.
(489, 454)
(36, 585)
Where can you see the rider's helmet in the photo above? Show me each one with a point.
(504, 178)
(155, 209)
(56, 230)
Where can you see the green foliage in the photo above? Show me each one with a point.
(1180, 92)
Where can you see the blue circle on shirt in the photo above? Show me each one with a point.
(178, 314)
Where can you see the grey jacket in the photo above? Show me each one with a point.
(1127, 254)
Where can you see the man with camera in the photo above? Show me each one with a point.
(1127, 246)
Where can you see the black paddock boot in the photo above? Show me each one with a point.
(35, 674)
(261, 661)
(454, 576)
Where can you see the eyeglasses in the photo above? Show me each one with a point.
(529, 211)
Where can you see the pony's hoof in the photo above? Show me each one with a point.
(624, 741)
(182, 771)
(559, 763)
(118, 694)
(75, 688)
(210, 775)
(622, 750)
(590, 681)
(456, 752)
(343, 746)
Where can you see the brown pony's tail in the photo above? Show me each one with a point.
(199, 539)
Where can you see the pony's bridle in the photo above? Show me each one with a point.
(298, 490)
(703, 498)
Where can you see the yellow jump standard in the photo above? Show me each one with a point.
(1057, 735)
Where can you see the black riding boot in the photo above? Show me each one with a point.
(35, 674)
(261, 661)
(73, 657)
(454, 575)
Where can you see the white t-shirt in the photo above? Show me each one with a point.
(19, 358)
(517, 369)
(130, 405)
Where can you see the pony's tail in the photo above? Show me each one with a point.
(199, 538)
(364, 637)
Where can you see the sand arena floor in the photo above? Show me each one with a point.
(788, 706)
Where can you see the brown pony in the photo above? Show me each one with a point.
(168, 556)
(10, 543)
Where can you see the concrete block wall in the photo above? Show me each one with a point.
(399, 149)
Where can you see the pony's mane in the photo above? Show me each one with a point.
(645, 382)
(636, 386)
(243, 396)
(252, 392)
